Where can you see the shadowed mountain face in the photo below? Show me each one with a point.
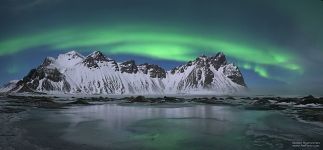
(97, 74)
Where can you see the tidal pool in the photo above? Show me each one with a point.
(166, 127)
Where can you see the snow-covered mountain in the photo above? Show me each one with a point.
(7, 87)
(96, 74)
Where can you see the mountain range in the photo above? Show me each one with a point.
(73, 73)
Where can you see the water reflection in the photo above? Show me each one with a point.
(115, 116)
(181, 127)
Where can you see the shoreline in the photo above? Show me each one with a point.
(78, 95)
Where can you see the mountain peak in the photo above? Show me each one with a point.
(47, 61)
(220, 57)
(73, 54)
(202, 58)
(68, 59)
(218, 60)
(96, 74)
(96, 58)
(220, 54)
(96, 54)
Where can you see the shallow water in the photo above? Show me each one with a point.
(166, 127)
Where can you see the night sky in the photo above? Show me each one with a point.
(277, 44)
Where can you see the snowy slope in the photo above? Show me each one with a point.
(96, 74)
(7, 87)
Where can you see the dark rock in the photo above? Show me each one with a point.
(278, 98)
(129, 67)
(80, 101)
(47, 62)
(92, 60)
(200, 98)
(264, 104)
(276, 107)
(100, 99)
(204, 100)
(261, 102)
(256, 98)
(156, 100)
(208, 101)
(209, 75)
(268, 98)
(154, 71)
(173, 71)
(214, 101)
(98, 56)
(36, 101)
(218, 60)
(308, 97)
(265, 107)
(310, 100)
(139, 99)
(233, 72)
(287, 100)
(214, 98)
(170, 99)
(230, 98)
(30, 82)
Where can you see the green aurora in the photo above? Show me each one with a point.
(154, 42)
(278, 45)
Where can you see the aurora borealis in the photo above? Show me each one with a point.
(277, 44)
